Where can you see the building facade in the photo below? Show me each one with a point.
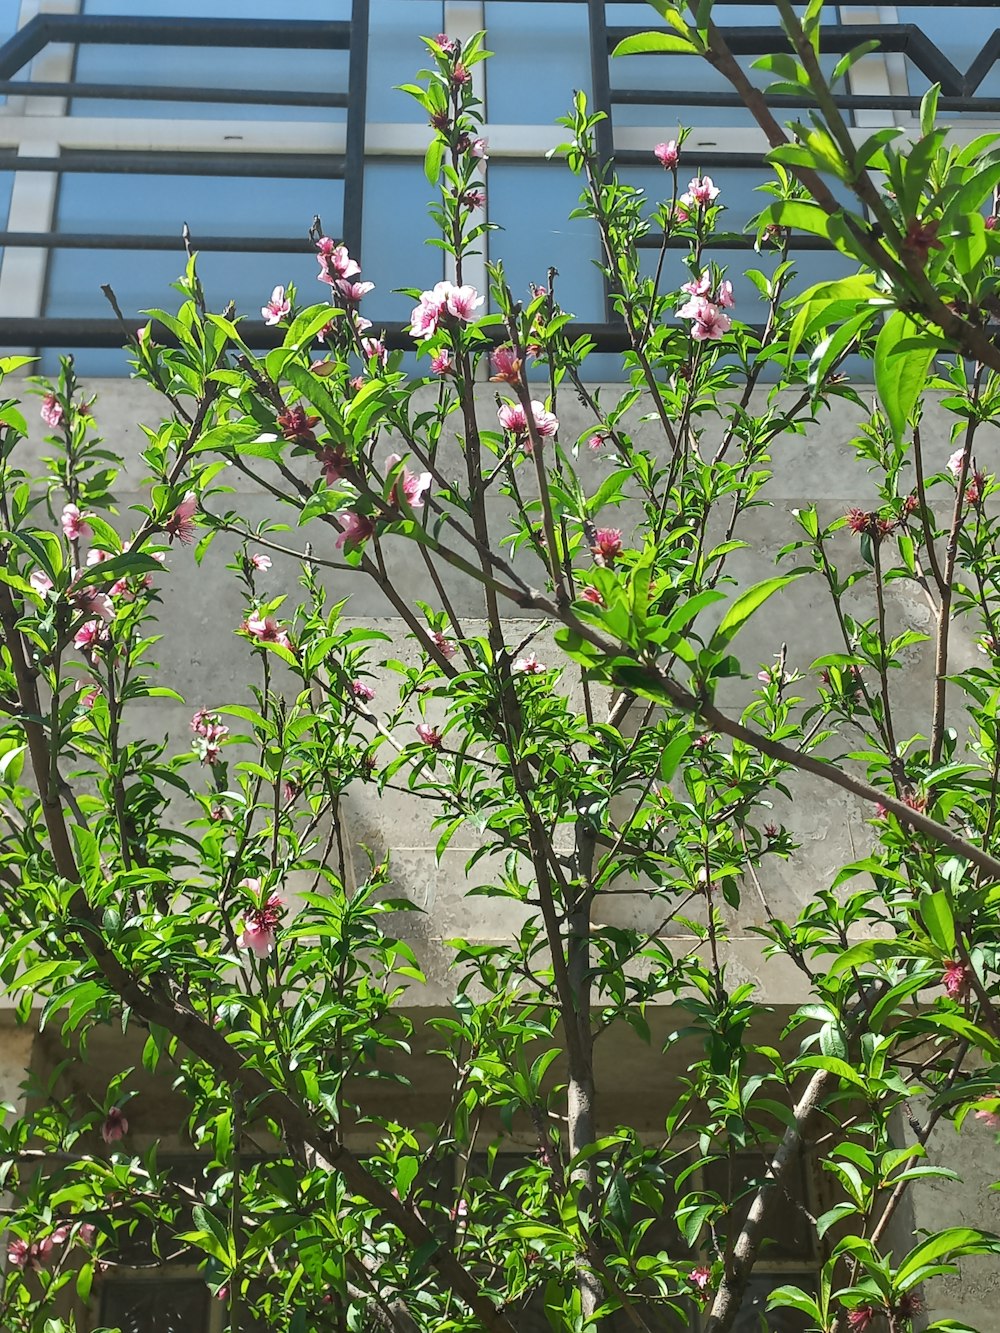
(126, 126)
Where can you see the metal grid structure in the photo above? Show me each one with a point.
(878, 94)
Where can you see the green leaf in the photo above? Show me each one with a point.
(928, 108)
(951, 1242)
(406, 1170)
(935, 909)
(744, 607)
(900, 377)
(657, 43)
(433, 159)
(794, 1298)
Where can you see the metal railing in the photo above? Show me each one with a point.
(959, 94)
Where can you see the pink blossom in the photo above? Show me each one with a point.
(277, 308)
(447, 44)
(956, 978)
(260, 562)
(667, 154)
(699, 286)
(334, 463)
(354, 291)
(95, 556)
(32, 1258)
(375, 347)
(591, 594)
(442, 363)
(429, 735)
(414, 487)
(473, 199)
(181, 524)
(361, 325)
(480, 148)
(460, 75)
(51, 411)
(61, 1234)
(87, 1233)
(445, 646)
(505, 364)
(17, 1253)
(362, 691)
(334, 261)
(443, 299)
(89, 692)
(425, 316)
(702, 191)
(90, 634)
(260, 924)
(700, 1279)
(115, 1126)
(954, 463)
(528, 665)
(208, 726)
(74, 525)
(990, 1118)
(596, 440)
(709, 322)
(40, 581)
(354, 528)
(462, 302)
(512, 418)
(861, 1318)
(724, 296)
(93, 604)
(267, 630)
(607, 544)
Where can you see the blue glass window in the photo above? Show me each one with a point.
(160, 205)
(532, 202)
(960, 35)
(207, 67)
(541, 55)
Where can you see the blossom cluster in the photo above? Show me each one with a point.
(260, 922)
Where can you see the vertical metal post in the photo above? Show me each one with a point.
(600, 78)
(357, 95)
(600, 81)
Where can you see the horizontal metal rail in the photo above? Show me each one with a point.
(73, 332)
(128, 30)
(837, 39)
(152, 92)
(289, 166)
(103, 240)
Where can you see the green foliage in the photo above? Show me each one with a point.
(594, 735)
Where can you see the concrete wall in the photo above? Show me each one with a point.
(203, 659)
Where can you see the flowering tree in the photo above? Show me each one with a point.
(150, 884)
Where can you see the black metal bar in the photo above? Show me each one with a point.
(22, 48)
(837, 39)
(354, 166)
(846, 101)
(290, 166)
(63, 240)
(146, 92)
(131, 30)
(796, 241)
(604, 134)
(108, 30)
(72, 332)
